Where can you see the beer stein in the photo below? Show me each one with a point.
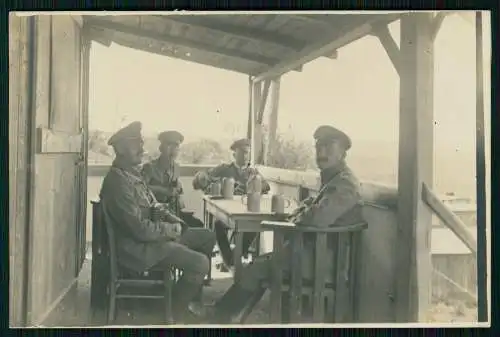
(215, 188)
(156, 212)
(254, 184)
(279, 203)
(252, 201)
(228, 188)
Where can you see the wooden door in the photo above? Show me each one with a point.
(58, 190)
(20, 154)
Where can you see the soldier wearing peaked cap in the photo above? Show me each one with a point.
(144, 240)
(241, 173)
(327, 133)
(163, 177)
(338, 203)
(162, 174)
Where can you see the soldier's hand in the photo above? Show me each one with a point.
(173, 230)
(251, 171)
(203, 179)
(182, 204)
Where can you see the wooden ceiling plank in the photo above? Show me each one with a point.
(142, 33)
(315, 19)
(249, 34)
(324, 47)
(200, 60)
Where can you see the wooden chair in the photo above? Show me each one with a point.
(331, 296)
(115, 283)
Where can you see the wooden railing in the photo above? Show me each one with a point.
(449, 219)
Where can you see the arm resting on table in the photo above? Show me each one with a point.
(290, 226)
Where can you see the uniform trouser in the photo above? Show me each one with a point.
(189, 254)
(191, 220)
(194, 222)
(224, 246)
(250, 285)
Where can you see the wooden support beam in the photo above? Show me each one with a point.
(213, 24)
(436, 23)
(256, 98)
(262, 107)
(449, 219)
(413, 256)
(201, 46)
(273, 118)
(250, 107)
(390, 46)
(325, 46)
(97, 35)
(78, 19)
(482, 266)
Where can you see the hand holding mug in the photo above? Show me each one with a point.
(173, 230)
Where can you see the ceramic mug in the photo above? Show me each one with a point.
(252, 201)
(228, 188)
(279, 203)
(216, 188)
(156, 212)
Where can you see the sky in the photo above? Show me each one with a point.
(358, 92)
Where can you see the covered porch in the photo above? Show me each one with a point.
(264, 47)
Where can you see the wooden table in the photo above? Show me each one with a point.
(234, 213)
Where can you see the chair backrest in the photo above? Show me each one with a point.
(106, 244)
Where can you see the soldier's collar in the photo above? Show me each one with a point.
(120, 164)
(237, 166)
(164, 162)
(329, 173)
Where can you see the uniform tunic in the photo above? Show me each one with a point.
(156, 174)
(140, 242)
(338, 203)
(230, 171)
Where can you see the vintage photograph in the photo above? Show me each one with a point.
(249, 169)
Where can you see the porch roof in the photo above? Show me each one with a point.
(251, 44)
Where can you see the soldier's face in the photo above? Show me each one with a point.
(242, 155)
(132, 151)
(329, 154)
(170, 150)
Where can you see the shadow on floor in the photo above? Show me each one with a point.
(150, 312)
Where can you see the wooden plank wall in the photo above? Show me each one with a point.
(19, 157)
(56, 190)
(461, 269)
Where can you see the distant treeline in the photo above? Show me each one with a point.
(454, 171)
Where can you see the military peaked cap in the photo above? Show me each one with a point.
(171, 137)
(131, 131)
(240, 143)
(326, 133)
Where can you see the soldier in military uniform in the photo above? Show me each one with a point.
(240, 172)
(337, 203)
(162, 176)
(142, 241)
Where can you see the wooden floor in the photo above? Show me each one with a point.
(143, 313)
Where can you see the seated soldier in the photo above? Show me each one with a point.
(162, 177)
(143, 243)
(241, 173)
(337, 203)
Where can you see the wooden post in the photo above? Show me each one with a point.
(250, 107)
(273, 118)
(256, 97)
(413, 266)
(480, 176)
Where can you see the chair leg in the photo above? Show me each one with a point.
(112, 303)
(168, 279)
(251, 305)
